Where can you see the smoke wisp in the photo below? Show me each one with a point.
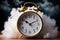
(11, 31)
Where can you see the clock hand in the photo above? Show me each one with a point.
(32, 22)
(26, 21)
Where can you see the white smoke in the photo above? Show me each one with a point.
(11, 31)
(10, 26)
(49, 27)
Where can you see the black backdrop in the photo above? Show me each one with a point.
(7, 5)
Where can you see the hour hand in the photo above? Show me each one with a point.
(26, 21)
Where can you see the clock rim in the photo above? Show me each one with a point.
(20, 18)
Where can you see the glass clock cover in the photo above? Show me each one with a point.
(29, 23)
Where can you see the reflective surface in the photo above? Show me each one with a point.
(58, 38)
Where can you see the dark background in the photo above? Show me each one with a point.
(53, 9)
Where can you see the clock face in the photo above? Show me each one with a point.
(29, 24)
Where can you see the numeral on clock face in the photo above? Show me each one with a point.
(37, 28)
(29, 32)
(34, 30)
(25, 30)
(22, 27)
(34, 17)
(29, 16)
(38, 24)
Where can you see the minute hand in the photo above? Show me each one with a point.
(33, 22)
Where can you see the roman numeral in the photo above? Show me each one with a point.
(37, 28)
(34, 16)
(38, 24)
(29, 32)
(25, 30)
(22, 27)
(34, 30)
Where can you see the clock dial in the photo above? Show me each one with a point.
(29, 23)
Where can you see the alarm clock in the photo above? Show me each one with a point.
(30, 22)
